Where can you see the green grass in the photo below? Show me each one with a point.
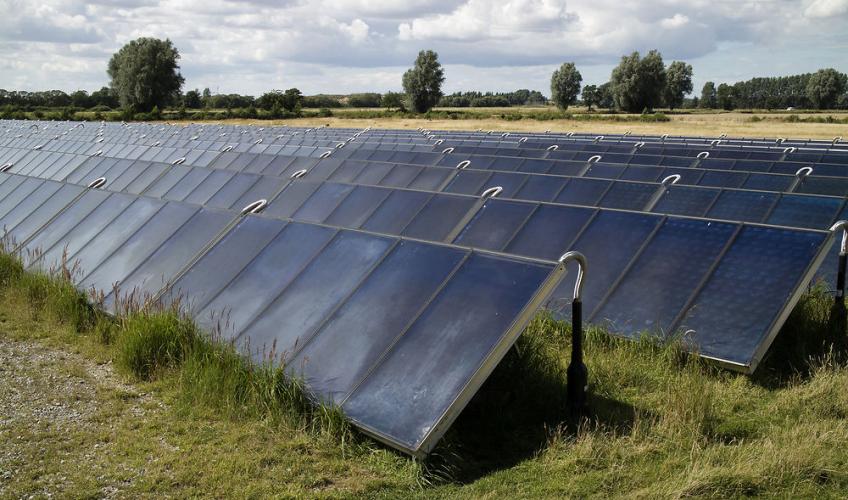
(191, 417)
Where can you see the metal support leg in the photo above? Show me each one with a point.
(578, 374)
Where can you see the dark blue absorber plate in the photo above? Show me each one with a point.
(809, 212)
(163, 265)
(612, 239)
(494, 225)
(731, 321)
(264, 278)
(662, 278)
(135, 249)
(743, 206)
(628, 195)
(358, 334)
(223, 262)
(292, 318)
(438, 217)
(684, 200)
(417, 382)
(549, 231)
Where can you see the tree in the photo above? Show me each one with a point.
(423, 82)
(276, 101)
(606, 99)
(724, 97)
(708, 96)
(565, 85)
(678, 83)
(638, 83)
(206, 98)
(392, 100)
(145, 74)
(104, 97)
(81, 99)
(591, 96)
(192, 99)
(366, 100)
(825, 88)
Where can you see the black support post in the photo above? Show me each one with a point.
(578, 374)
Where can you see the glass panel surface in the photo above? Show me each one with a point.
(287, 202)
(400, 176)
(40, 216)
(729, 320)
(264, 278)
(232, 191)
(32, 202)
(114, 234)
(164, 264)
(292, 318)
(401, 397)
(343, 351)
(768, 182)
(143, 180)
(495, 224)
(583, 192)
(609, 242)
(167, 181)
(321, 204)
(541, 188)
(628, 195)
(722, 179)
(223, 262)
(682, 200)
(188, 183)
(396, 211)
(549, 231)
(430, 179)
(439, 217)
(664, 276)
(137, 247)
(823, 185)
(744, 206)
(52, 233)
(211, 184)
(809, 212)
(468, 182)
(355, 209)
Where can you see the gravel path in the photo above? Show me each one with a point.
(54, 405)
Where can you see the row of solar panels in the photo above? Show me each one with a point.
(78, 128)
(531, 228)
(796, 211)
(617, 154)
(731, 284)
(730, 173)
(719, 148)
(368, 319)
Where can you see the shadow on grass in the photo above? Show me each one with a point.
(816, 329)
(521, 405)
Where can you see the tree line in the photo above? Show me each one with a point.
(824, 89)
(144, 78)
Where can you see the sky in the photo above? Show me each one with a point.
(346, 46)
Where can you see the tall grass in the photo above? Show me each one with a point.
(150, 341)
(660, 421)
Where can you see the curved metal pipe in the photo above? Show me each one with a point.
(492, 192)
(583, 266)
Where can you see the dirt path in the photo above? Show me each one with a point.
(58, 411)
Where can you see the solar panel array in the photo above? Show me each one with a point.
(392, 270)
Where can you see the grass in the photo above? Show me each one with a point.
(186, 416)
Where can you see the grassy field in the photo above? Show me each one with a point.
(737, 124)
(145, 406)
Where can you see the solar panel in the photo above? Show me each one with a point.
(366, 291)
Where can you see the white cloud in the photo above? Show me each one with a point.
(826, 8)
(357, 45)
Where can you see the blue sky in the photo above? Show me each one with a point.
(342, 46)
